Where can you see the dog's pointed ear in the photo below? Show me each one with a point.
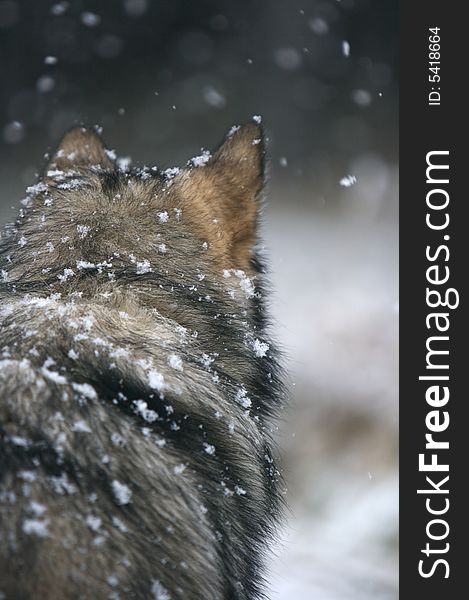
(222, 195)
(80, 148)
(240, 158)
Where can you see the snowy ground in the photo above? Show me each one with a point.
(335, 276)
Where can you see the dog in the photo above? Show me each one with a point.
(138, 381)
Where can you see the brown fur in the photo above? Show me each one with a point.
(222, 199)
(79, 148)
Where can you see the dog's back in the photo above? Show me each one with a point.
(136, 381)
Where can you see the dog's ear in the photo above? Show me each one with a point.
(80, 147)
(240, 158)
(224, 191)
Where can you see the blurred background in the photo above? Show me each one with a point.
(167, 77)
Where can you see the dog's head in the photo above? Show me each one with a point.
(86, 210)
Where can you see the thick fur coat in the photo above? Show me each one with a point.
(137, 381)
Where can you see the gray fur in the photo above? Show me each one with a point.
(136, 387)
